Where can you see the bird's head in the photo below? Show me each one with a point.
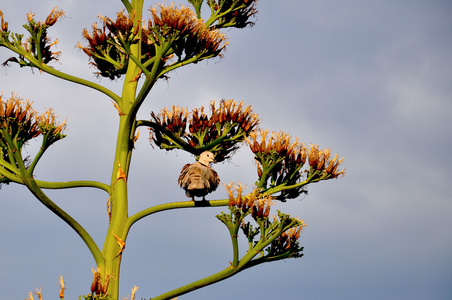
(206, 158)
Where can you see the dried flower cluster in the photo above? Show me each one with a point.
(4, 25)
(174, 120)
(220, 133)
(170, 31)
(38, 44)
(99, 285)
(234, 13)
(280, 163)
(18, 120)
(106, 48)
(191, 36)
(62, 288)
(278, 237)
(19, 123)
(320, 160)
(236, 199)
(50, 129)
(287, 244)
(258, 205)
(38, 293)
(279, 143)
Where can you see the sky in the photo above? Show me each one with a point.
(372, 80)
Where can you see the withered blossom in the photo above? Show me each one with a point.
(50, 128)
(18, 120)
(261, 208)
(106, 48)
(236, 199)
(62, 288)
(190, 37)
(124, 27)
(220, 132)
(100, 282)
(320, 160)
(170, 31)
(234, 13)
(20, 123)
(279, 143)
(38, 44)
(54, 15)
(174, 120)
(280, 163)
(287, 243)
(4, 24)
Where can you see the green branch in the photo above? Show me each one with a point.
(7, 166)
(41, 66)
(235, 245)
(80, 81)
(73, 184)
(27, 179)
(283, 187)
(174, 205)
(33, 186)
(127, 5)
(228, 272)
(243, 264)
(84, 235)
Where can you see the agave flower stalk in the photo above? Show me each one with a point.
(139, 52)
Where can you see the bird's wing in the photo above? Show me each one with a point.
(212, 180)
(183, 178)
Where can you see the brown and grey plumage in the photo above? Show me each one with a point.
(199, 179)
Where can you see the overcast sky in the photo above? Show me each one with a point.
(372, 80)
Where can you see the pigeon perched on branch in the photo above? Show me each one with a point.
(199, 179)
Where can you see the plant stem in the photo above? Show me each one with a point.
(173, 205)
(90, 243)
(73, 184)
(116, 235)
(243, 264)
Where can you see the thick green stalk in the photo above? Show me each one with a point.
(116, 235)
(119, 205)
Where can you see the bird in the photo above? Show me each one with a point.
(199, 179)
